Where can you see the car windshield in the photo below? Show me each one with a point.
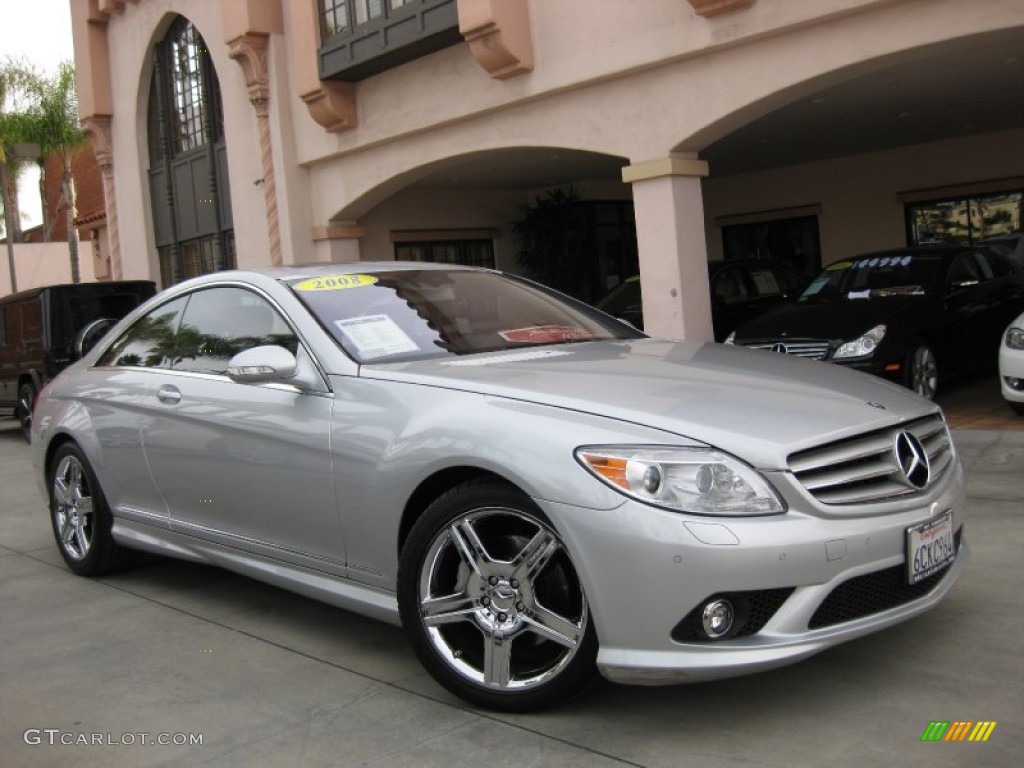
(417, 314)
(875, 277)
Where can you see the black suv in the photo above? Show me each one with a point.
(43, 330)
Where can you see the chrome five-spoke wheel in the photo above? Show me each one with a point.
(501, 616)
(80, 516)
(73, 517)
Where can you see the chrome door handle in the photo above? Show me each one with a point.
(168, 394)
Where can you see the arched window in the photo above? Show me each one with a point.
(188, 178)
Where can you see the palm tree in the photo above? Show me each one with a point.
(45, 112)
(16, 79)
(55, 127)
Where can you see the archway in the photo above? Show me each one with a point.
(189, 190)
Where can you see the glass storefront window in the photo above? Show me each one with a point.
(964, 220)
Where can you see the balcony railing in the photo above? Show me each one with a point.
(360, 38)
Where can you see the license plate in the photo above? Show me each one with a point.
(930, 547)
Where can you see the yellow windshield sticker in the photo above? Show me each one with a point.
(335, 282)
(838, 265)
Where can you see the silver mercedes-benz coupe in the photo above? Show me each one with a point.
(532, 489)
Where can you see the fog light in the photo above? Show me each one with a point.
(717, 618)
(1014, 383)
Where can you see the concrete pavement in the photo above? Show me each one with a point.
(266, 678)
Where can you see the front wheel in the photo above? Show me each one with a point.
(921, 371)
(492, 602)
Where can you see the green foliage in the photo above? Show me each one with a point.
(44, 109)
(552, 238)
(19, 84)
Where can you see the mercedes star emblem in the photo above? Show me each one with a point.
(912, 460)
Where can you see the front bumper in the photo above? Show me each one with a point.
(1011, 365)
(645, 569)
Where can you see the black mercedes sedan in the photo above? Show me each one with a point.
(740, 289)
(916, 316)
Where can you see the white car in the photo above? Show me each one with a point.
(1011, 365)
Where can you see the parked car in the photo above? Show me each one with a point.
(740, 290)
(39, 329)
(1011, 365)
(917, 316)
(531, 488)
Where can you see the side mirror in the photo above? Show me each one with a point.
(87, 337)
(271, 364)
(261, 365)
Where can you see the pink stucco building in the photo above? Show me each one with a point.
(258, 132)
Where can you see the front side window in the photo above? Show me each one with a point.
(995, 265)
(218, 323)
(413, 314)
(149, 342)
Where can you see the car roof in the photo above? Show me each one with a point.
(300, 272)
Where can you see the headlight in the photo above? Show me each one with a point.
(863, 346)
(1015, 338)
(702, 481)
(730, 339)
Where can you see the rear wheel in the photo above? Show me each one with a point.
(921, 370)
(80, 516)
(492, 602)
(26, 402)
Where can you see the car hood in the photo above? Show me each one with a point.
(840, 320)
(757, 405)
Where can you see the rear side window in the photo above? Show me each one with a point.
(12, 324)
(728, 287)
(149, 342)
(31, 321)
(218, 323)
(766, 282)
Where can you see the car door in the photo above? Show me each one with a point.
(1006, 289)
(243, 465)
(115, 393)
(972, 311)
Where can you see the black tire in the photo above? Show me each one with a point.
(26, 403)
(921, 369)
(1017, 408)
(507, 626)
(80, 516)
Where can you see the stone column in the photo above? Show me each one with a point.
(250, 51)
(669, 209)
(97, 127)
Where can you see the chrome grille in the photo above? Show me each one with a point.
(864, 468)
(812, 349)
